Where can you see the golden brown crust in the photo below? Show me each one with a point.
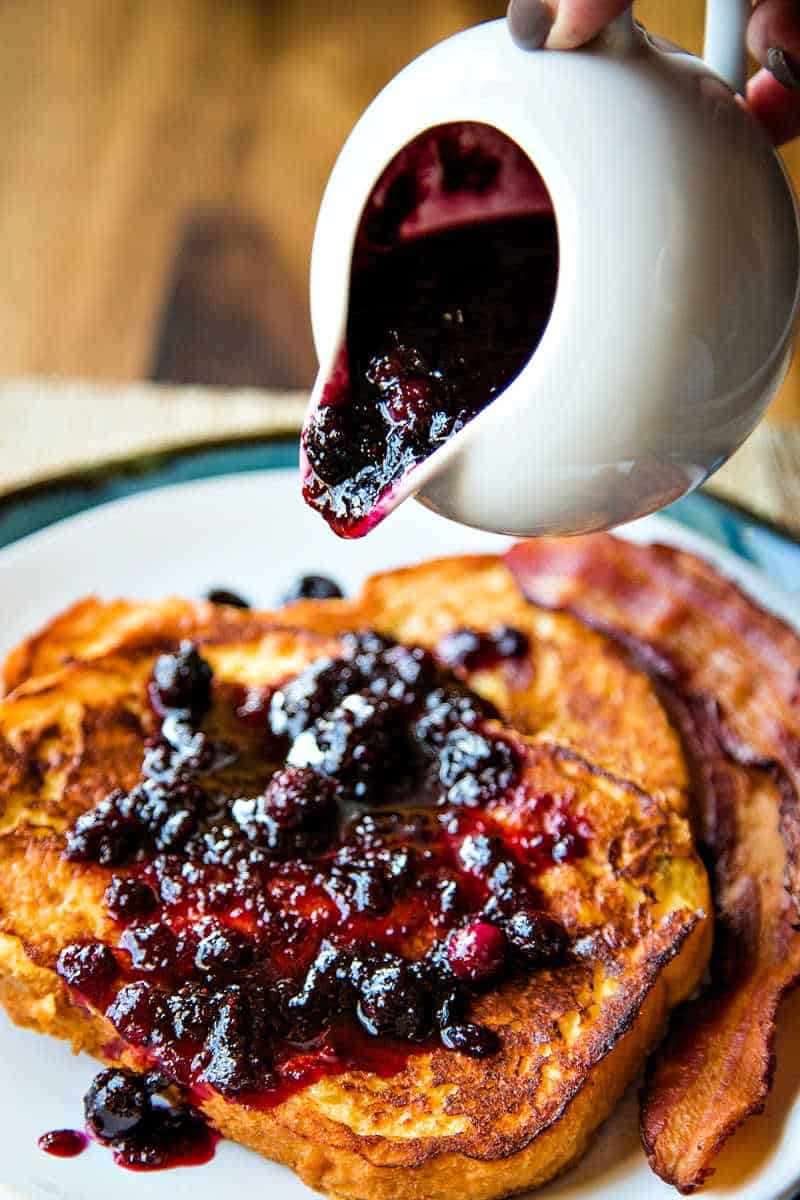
(729, 672)
(571, 1038)
(320, 1151)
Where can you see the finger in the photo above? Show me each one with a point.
(530, 22)
(578, 21)
(773, 38)
(776, 107)
(560, 24)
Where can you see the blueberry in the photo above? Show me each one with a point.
(536, 937)
(475, 1040)
(407, 390)
(90, 968)
(312, 587)
(224, 596)
(127, 897)
(116, 1103)
(181, 681)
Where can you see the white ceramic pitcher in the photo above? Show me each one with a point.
(677, 291)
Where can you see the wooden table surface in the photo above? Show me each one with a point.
(161, 165)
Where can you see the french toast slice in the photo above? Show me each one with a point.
(597, 761)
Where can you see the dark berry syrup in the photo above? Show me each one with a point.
(310, 879)
(452, 285)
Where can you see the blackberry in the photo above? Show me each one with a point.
(154, 948)
(475, 769)
(108, 834)
(193, 751)
(190, 1012)
(359, 744)
(451, 1006)
(478, 852)
(181, 681)
(127, 897)
(90, 969)
(448, 709)
(310, 695)
(370, 880)
(537, 938)
(329, 443)
(139, 1013)
(297, 812)
(327, 990)
(312, 587)
(169, 811)
(232, 1065)
(393, 1001)
(223, 951)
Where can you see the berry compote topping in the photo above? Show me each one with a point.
(144, 1136)
(452, 285)
(328, 886)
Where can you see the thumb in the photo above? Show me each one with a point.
(560, 24)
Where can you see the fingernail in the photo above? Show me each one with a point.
(530, 22)
(783, 67)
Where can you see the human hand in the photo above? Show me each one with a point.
(773, 38)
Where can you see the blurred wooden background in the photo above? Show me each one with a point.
(161, 165)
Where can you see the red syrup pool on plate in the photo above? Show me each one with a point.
(63, 1143)
(453, 281)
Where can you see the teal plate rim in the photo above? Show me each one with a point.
(772, 549)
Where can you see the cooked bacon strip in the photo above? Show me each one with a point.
(729, 672)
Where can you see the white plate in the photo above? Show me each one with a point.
(251, 532)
